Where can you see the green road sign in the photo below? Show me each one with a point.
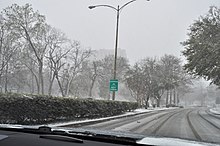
(113, 86)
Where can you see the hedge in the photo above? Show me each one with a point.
(41, 109)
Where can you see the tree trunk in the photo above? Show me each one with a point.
(68, 84)
(167, 97)
(32, 84)
(158, 102)
(177, 97)
(67, 88)
(61, 88)
(146, 102)
(138, 101)
(170, 96)
(0, 82)
(51, 84)
(6, 79)
(41, 79)
(174, 96)
(91, 87)
(33, 77)
(37, 82)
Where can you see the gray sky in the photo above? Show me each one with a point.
(146, 28)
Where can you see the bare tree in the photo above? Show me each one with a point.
(134, 82)
(91, 71)
(31, 28)
(8, 47)
(73, 66)
(95, 72)
(56, 52)
(144, 81)
(152, 80)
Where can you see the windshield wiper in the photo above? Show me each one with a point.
(62, 138)
(108, 137)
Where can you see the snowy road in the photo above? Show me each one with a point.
(188, 123)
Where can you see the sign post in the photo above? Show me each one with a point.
(113, 85)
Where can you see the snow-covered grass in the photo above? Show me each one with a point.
(135, 112)
(140, 110)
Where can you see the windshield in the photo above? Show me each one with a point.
(138, 67)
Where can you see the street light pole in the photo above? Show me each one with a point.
(116, 50)
(118, 10)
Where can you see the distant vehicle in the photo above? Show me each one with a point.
(217, 101)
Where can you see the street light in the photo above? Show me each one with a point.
(118, 10)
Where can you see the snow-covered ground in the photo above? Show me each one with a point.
(215, 110)
(135, 112)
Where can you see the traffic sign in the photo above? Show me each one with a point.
(113, 86)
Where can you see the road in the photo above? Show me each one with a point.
(187, 123)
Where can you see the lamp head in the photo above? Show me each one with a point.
(91, 7)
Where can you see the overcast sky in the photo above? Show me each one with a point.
(146, 29)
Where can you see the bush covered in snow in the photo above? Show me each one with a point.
(41, 109)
